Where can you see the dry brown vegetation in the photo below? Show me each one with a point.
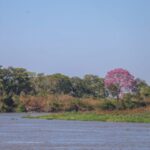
(62, 103)
(55, 103)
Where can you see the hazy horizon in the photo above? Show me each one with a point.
(76, 37)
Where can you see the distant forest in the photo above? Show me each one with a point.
(21, 90)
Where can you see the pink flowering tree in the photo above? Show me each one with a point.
(118, 82)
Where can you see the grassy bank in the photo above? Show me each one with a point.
(138, 116)
(68, 108)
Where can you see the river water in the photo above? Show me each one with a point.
(17, 133)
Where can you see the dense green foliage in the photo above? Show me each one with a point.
(21, 90)
(13, 81)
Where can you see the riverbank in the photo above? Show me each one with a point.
(137, 115)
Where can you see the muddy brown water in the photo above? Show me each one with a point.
(17, 133)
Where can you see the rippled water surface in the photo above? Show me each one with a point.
(17, 133)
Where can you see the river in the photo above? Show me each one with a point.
(17, 133)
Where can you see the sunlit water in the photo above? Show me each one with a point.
(17, 133)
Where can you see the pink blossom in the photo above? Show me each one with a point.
(121, 79)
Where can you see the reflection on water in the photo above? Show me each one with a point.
(17, 133)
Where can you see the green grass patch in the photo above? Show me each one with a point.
(138, 118)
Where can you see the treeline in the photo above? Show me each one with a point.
(16, 81)
(18, 86)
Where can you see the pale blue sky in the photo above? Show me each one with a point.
(76, 37)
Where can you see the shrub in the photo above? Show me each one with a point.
(108, 105)
(6, 104)
(133, 101)
(80, 105)
(129, 104)
(21, 108)
(55, 106)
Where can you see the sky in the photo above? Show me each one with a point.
(76, 37)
